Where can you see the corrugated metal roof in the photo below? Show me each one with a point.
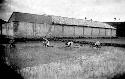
(26, 17)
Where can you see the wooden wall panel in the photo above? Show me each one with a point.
(95, 31)
(48, 30)
(108, 32)
(4, 31)
(29, 30)
(58, 32)
(68, 31)
(33, 30)
(7, 29)
(26, 29)
(113, 33)
(43, 30)
(22, 30)
(78, 31)
(10, 31)
(102, 33)
(38, 29)
(87, 31)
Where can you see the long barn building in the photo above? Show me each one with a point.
(25, 25)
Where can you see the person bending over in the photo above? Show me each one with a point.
(46, 43)
(69, 44)
(97, 44)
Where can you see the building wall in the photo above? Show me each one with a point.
(78, 31)
(22, 29)
(87, 31)
(10, 29)
(58, 30)
(41, 30)
(4, 31)
(113, 33)
(102, 32)
(95, 32)
(108, 32)
(7, 29)
(36, 30)
(31, 30)
(68, 31)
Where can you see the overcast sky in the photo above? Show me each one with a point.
(98, 10)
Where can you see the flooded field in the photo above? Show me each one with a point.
(34, 61)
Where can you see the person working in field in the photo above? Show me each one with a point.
(12, 43)
(97, 44)
(69, 44)
(46, 43)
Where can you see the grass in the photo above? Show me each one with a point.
(38, 62)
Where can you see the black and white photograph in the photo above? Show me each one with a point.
(62, 39)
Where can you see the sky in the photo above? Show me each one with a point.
(97, 10)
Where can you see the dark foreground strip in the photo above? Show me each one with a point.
(118, 76)
(7, 72)
(6, 41)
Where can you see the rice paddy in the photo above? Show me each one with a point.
(81, 62)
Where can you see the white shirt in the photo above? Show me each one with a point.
(47, 43)
(97, 43)
(70, 43)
